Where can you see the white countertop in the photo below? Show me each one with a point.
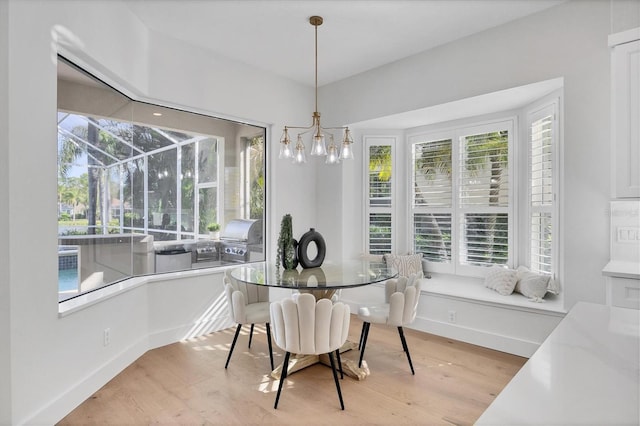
(622, 269)
(586, 372)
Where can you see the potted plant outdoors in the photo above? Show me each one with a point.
(214, 230)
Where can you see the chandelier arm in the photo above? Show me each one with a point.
(295, 127)
(308, 129)
(335, 128)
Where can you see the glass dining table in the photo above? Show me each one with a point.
(322, 282)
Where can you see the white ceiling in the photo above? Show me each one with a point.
(356, 36)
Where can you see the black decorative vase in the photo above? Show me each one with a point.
(311, 236)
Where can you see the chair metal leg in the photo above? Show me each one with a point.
(364, 325)
(365, 332)
(339, 363)
(283, 375)
(335, 378)
(251, 334)
(269, 341)
(406, 348)
(235, 337)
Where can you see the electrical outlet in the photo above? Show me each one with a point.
(452, 316)
(106, 336)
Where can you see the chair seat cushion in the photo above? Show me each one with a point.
(378, 314)
(257, 312)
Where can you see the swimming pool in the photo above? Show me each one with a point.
(67, 279)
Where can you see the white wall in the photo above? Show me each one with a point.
(5, 300)
(567, 41)
(56, 362)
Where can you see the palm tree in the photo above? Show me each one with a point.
(256, 155)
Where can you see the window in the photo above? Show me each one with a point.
(432, 199)
(462, 202)
(380, 194)
(139, 184)
(541, 195)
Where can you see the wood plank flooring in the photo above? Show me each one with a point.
(186, 383)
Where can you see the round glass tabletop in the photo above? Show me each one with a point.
(331, 275)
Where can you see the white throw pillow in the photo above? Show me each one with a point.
(501, 279)
(553, 287)
(534, 285)
(407, 266)
(530, 284)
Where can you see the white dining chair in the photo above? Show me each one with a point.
(248, 304)
(304, 326)
(400, 307)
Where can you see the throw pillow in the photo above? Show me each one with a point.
(553, 287)
(501, 279)
(407, 266)
(531, 284)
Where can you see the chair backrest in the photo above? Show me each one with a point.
(306, 326)
(240, 294)
(402, 294)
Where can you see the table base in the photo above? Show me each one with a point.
(349, 367)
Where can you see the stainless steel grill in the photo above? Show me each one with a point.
(239, 239)
(207, 251)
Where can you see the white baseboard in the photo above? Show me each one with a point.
(482, 338)
(69, 400)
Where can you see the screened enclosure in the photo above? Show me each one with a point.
(141, 186)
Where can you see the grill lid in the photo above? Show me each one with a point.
(248, 231)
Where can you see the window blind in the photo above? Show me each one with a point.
(541, 193)
(379, 195)
(484, 198)
(432, 173)
(432, 198)
(380, 233)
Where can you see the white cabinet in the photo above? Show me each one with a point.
(622, 280)
(625, 113)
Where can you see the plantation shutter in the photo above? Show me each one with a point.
(379, 195)
(432, 199)
(483, 178)
(541, 192)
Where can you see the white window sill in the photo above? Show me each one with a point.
(473, 290)
(96, 296)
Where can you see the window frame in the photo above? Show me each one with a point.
(368, 142)
(221, 125)
(456, 134)
(549, 106)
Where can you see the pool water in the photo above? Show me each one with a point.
(67, 279)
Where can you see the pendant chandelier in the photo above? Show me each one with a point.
(318, 147)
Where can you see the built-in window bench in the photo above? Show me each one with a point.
(473, 288)
(462, 308)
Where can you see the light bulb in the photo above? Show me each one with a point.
(299, 157)
(285, 150)
(318, 147)
(285, 145)
(332, 152)
(347, 152)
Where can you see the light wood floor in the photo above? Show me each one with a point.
(186, 383)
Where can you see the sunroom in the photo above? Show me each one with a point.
(145, 189)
